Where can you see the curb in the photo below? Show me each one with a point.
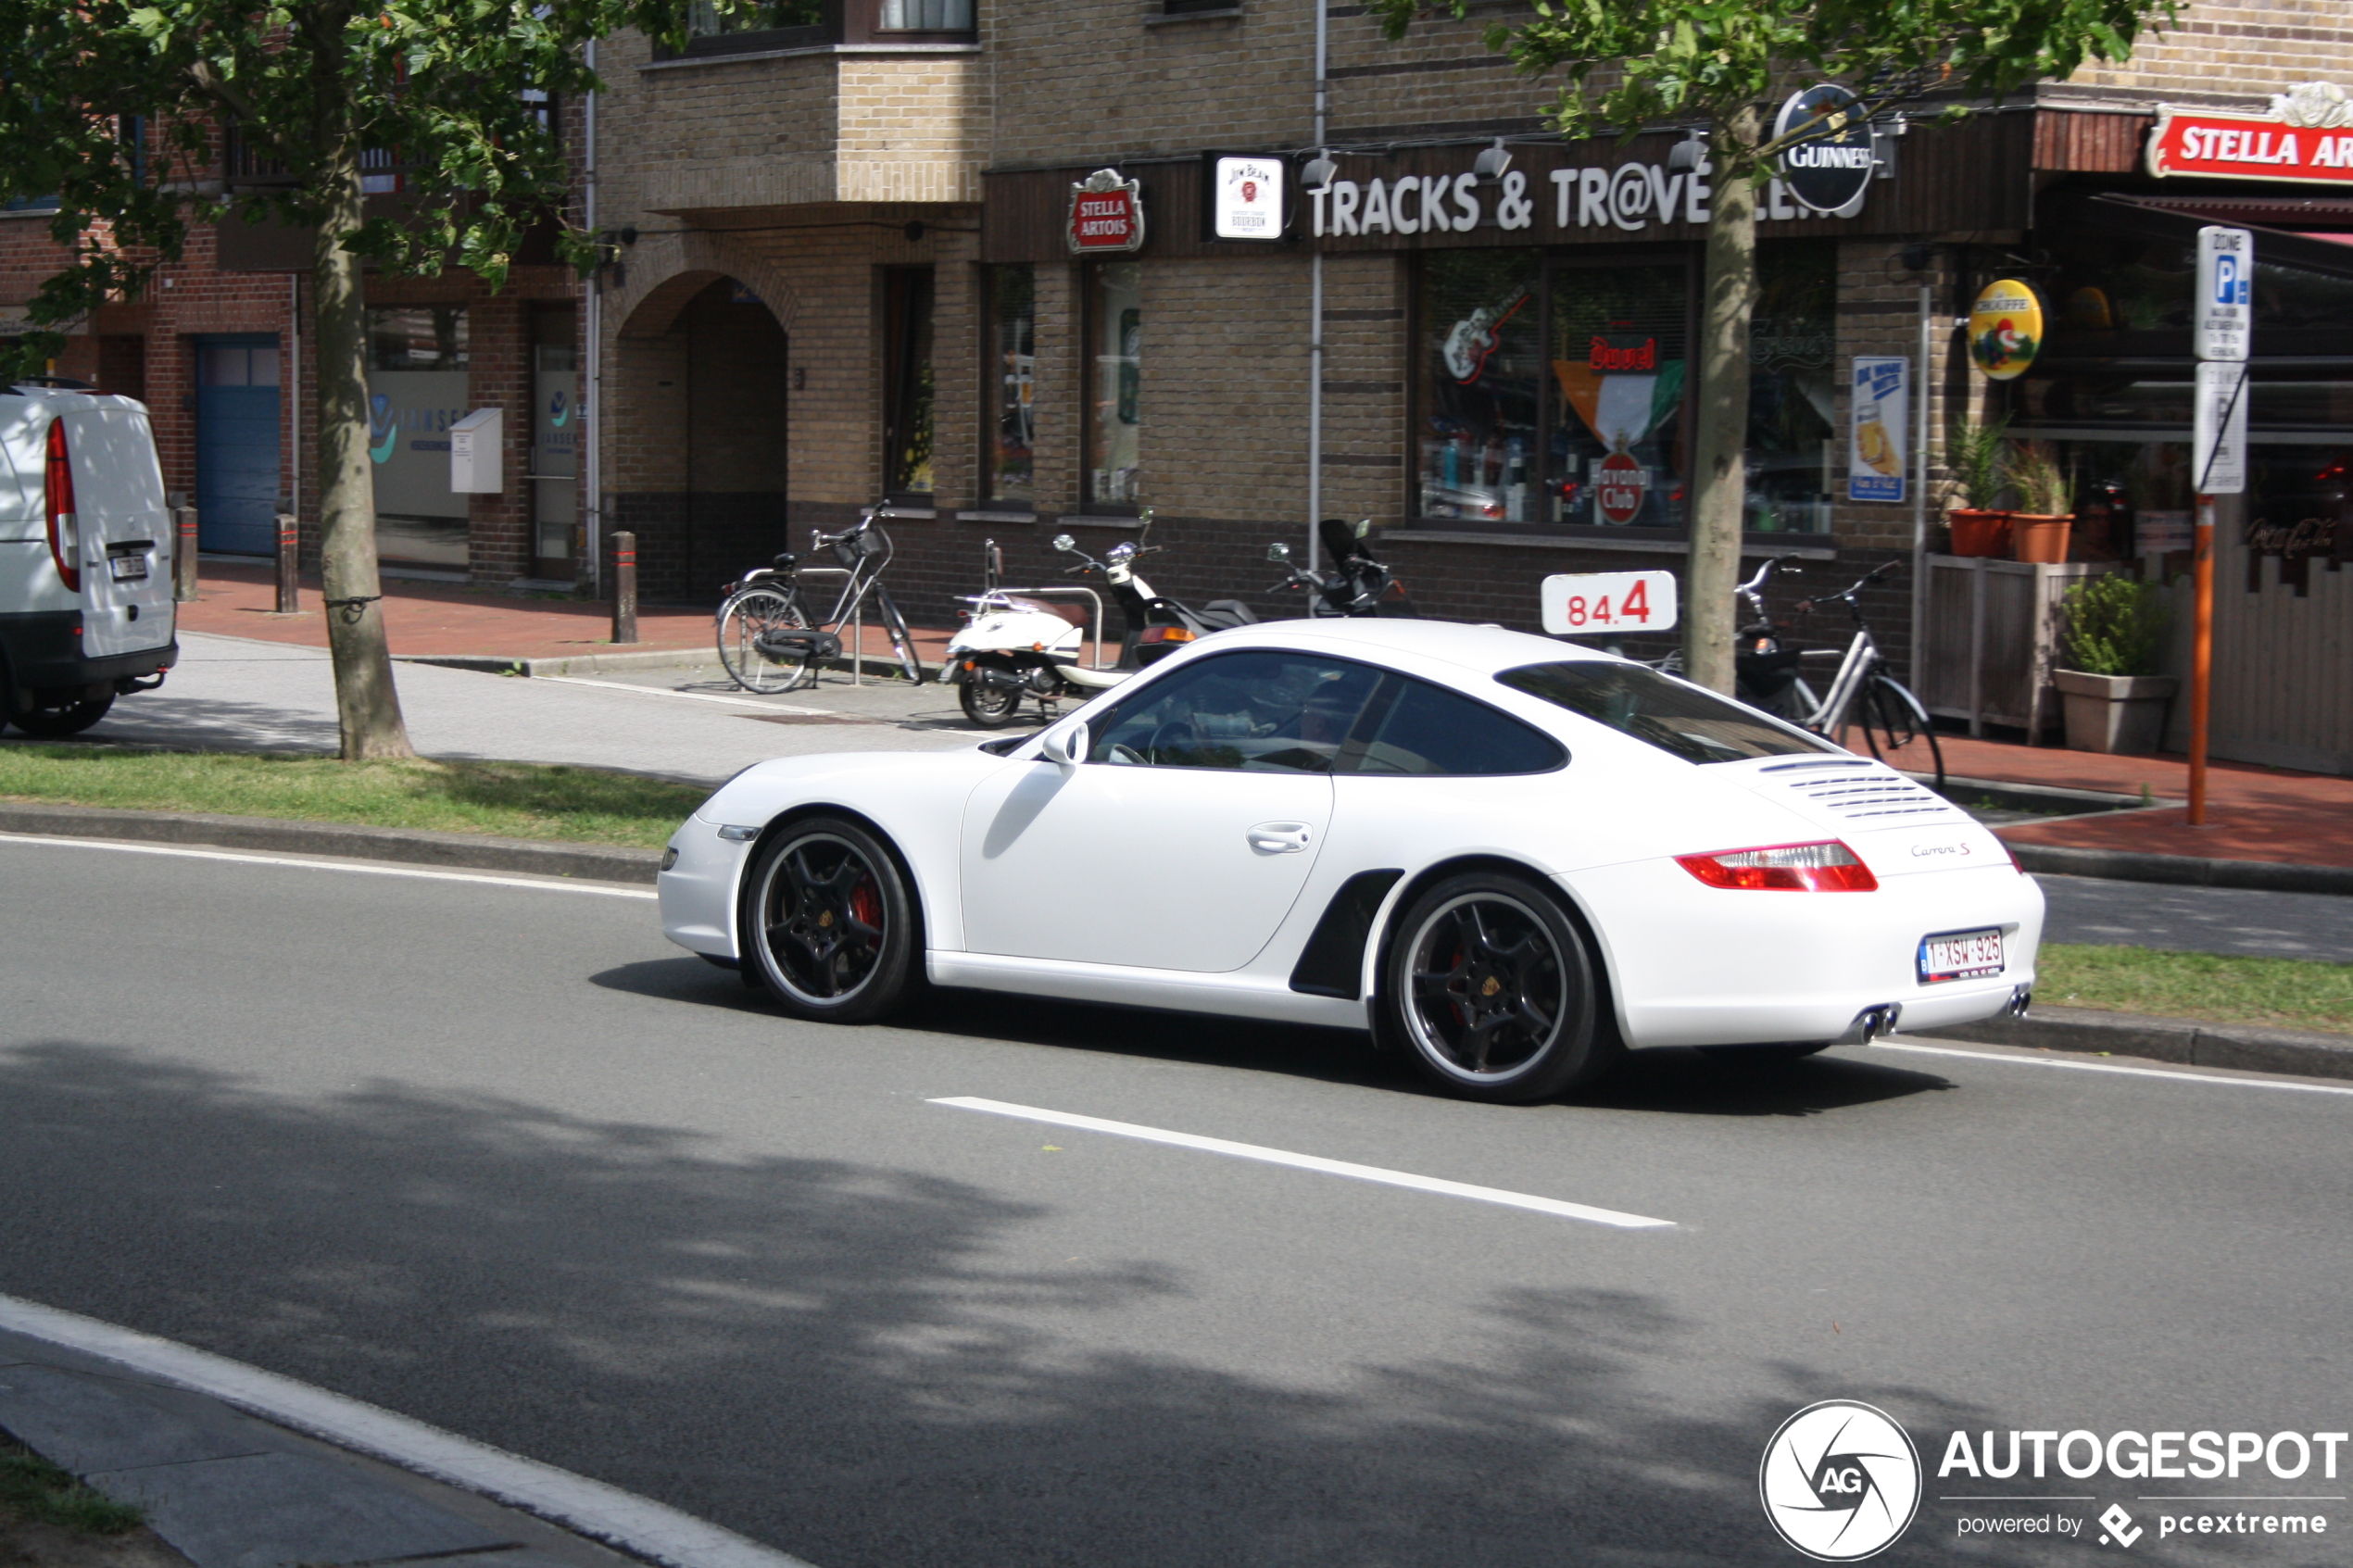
(2245, 1047)
(593, 863)
(2032, 797)
(878, 666)
(2134, 865)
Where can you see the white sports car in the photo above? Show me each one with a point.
(1509, 858)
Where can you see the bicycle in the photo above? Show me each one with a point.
(1895, 727)
(767, 640)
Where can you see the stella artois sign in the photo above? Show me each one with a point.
(2306, 137)
(1106, 214)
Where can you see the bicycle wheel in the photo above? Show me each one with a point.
(742, 621)
(1897, 729)
(902, 640)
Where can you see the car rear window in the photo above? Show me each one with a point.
(1675, 716)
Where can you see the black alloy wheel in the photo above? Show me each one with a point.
(829, 924)
(1493, 992)
(989, 707)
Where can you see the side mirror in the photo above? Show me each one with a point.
(1279, 553)
(1066, 746)
(1364, 528)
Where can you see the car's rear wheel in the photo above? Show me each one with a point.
(829, 922)
(1492, 991)
(55, 721)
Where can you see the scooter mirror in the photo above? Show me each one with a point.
(1119, 553)
(1279, 553)
(1363, 527)
(1066, 746)
(1065, 543)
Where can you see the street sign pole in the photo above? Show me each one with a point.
(2221, 328)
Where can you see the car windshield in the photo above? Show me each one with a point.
(1693, 724)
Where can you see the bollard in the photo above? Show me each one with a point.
(184, 555)
(289, 564)
(624, 587)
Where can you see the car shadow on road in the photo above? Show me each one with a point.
(870, 1365)
(1675, 1082)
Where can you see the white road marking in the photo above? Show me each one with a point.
(605, 1513)
(1315, 1162)
(364, 867)
(2127, 1072)
(690, 696)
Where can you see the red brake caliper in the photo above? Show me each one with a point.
(865, 904)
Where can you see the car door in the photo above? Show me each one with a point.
(1183, 839)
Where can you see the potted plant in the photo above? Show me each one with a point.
(2112, 641)
(1978, 457)
(2047, 507)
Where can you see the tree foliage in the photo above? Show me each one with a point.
(454, 93)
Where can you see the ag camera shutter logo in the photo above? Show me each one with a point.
(1840, 1481)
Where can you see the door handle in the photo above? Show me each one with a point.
(1279, 838)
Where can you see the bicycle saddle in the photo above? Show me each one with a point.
(784, 562)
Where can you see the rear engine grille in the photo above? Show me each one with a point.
(1858, 792)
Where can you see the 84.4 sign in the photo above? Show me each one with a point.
(1586, 604)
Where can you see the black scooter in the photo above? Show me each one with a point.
(1157, 625)
(1355, 584)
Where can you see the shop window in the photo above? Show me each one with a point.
(761, 24)
(927, 16)
(1009, 362)
(1793, 341)
(418, 387)
(1481, 365)
(1618, 454)
(907, 386)
(1114, 385)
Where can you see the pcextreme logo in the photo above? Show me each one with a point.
(1840, 1481)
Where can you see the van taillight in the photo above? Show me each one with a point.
(65, 542)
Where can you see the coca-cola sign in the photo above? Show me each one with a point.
(1106, 214)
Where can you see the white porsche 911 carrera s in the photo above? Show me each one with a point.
(1511, 858)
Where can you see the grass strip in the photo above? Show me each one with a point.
(32, 1489)
(510, 799)
(2213, 987)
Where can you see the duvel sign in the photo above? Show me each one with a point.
(1106, 214)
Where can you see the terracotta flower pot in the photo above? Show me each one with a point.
(2118, 715)
(2038, 538)
(1979, 533)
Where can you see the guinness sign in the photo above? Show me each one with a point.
(1830, 167)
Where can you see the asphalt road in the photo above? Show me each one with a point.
(2199, 920)
(497, 1158)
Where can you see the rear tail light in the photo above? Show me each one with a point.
(65, 533)
(1165, 634)
(2011, 853)
(1827, 867)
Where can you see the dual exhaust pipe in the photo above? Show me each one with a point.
(1882, 1018)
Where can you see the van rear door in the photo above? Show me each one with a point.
(124, 528)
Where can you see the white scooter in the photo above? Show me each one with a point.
(1027, 642)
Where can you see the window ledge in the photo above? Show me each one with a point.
(893, 511)
(997, 517)
(1225, 13)
(1075, 520)
(1768, 546)
(808, 49)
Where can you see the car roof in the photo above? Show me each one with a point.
(1484, 649)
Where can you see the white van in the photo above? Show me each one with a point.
(85, 557)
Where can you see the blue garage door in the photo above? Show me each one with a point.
(237, 477)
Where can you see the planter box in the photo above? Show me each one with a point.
(2119, 715)
(1980, 533)
(1992, 639)
(2039, 537)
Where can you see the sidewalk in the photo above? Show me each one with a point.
(445, 622)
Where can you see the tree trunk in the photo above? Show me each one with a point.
(1720, 491)
(366, 704)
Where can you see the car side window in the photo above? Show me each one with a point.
(1248, 711)
(1431, 732)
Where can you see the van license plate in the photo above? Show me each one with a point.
(1960, 955)
(130, 569)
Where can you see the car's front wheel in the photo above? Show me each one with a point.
(829, 922)
(1493, 993)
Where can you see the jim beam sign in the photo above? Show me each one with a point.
(2306, 138)
(1106, 214)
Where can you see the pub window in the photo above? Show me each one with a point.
(1618, 452)
(907, 388)
(1009, 362)
(1480, 361)
(1115, 383)
(1791, 457)
(927, 16)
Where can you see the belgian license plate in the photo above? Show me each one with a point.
(130, 569)
(1960, 955)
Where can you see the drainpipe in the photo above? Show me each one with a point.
(1315, 310)
(592, 412)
